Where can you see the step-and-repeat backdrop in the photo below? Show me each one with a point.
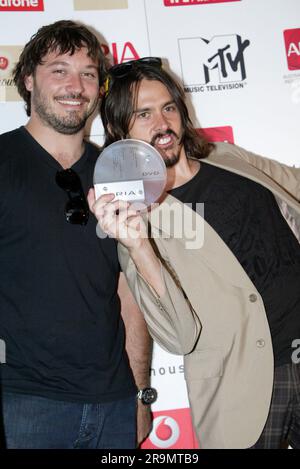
(239, 62)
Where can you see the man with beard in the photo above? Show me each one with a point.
(67, 381)
(230, 320)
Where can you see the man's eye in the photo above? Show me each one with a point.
(143, 115)
(89, 75)
(59, 71)
(171, 108)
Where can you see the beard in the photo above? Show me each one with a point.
(69, 124)
(170, 160)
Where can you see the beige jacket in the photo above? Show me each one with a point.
(222, 329)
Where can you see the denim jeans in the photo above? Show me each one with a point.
(39, 423)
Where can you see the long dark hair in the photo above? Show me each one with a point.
(117, 108)
(62, 36)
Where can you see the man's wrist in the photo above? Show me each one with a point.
(147, 396)
(140, 247)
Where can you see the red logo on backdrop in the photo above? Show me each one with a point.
(21, 5)
(3, 63)
(218, 134)
(120, 52)
(292, 46)
(171, 429)
(179, 3)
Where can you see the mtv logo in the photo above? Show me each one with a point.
(292, 47)
(219, 59)
(171, 429)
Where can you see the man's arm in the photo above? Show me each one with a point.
(139, 351)
(171, 320)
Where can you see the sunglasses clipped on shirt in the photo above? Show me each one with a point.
(76, 208)
(126, 68)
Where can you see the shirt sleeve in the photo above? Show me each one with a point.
(171, 320)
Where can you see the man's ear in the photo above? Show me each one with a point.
(29, 82)
(109, 129)
(101, 91)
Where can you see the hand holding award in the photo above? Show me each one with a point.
(133, 171)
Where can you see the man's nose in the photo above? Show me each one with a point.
(75, 84)
(161, 123)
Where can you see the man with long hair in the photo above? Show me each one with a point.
(67, 381)
(218, 302)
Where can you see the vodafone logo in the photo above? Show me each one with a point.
(165, 432)
(21, 5)
(172, 429)
(3, 63)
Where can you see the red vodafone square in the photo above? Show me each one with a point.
(3, 63)
(172, 429)
(292, 47)
(180, 3)
(21, 5)
(218, 134)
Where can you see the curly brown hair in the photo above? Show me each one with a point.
(63, 36)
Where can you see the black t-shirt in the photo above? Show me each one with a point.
(247, 218)
(59, 308)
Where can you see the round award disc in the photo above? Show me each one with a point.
(132, 170)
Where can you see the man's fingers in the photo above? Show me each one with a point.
(127, 216)
(116, 207)
(118, 218)
(91, 198)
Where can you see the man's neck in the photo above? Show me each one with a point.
(182, 171)
(66, 149)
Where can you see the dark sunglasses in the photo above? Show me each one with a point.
(126, 68)
(123, 69)
(76, 209)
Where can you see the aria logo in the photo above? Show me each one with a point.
(213, 65)
(292, 46)
(165, 432)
